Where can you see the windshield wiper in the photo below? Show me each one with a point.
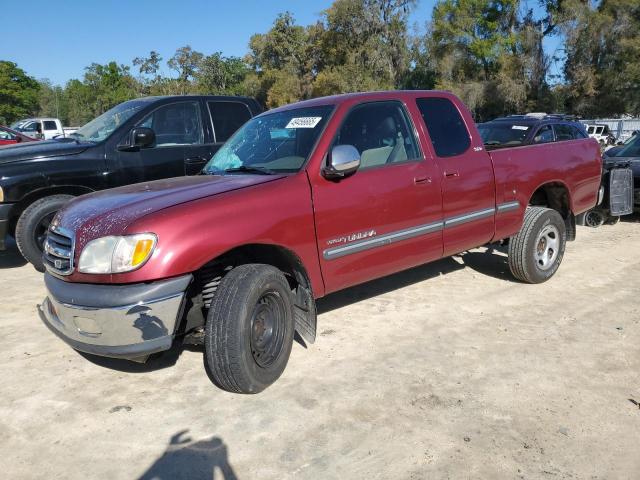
(248, 169)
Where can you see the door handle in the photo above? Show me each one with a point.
(196, 159)
(452, 174)
(422, 180)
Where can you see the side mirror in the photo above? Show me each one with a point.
(18, 139)
(343, 160)
(139, 137)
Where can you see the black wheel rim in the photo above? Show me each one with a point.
(40, 233)
(267, 328)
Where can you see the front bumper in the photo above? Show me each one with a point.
(5, 208)
(119, 321)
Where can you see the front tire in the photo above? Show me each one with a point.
(33, 224)
(536, 251)
(249, 329)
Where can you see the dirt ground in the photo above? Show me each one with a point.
(451, 370)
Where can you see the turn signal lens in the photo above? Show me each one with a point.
(142, 251)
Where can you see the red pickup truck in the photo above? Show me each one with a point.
(302, 201)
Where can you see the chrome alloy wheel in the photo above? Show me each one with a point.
(547, 245)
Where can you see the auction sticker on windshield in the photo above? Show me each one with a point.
(519, 127)
(303, 122)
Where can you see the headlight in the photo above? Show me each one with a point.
(117, 254)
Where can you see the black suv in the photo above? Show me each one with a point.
(517, 130)
(137, 141)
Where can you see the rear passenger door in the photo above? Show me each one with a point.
(223, 118)
(387, 216)
(468, 184)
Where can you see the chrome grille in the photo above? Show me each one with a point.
(58, 251)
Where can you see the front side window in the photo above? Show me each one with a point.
(228, 117)
(4, 135)
(50, 125)
(30, 127)
(380, 132)
(445, 125)
(278, 142)
(176, 124)
(100, 128)
(544, 135)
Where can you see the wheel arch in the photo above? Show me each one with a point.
(557, 196)
(21, 206)
(208, 276)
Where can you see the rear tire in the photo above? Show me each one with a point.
(536, 251)
(33, 224)
(249, 329)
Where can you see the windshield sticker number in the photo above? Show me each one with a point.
(303, 122)
(519, 127)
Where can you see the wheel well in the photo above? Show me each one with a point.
(556, 196)
(208, 277)
(31, 197)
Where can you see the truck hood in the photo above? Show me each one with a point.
(633, 162)
(44, 149)
(109, 212)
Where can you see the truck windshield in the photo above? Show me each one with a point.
(503, 134)
(277, 142)
(101, 127)
(630, 149)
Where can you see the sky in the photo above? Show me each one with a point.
(58, 40)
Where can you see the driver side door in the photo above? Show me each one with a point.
(178, 128)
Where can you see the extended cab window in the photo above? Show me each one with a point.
(50, 125)
(277, 142)
(446, 128)
(176, 124)
(381, 132)
(228, 117)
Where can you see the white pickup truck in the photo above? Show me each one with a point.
(46, 128)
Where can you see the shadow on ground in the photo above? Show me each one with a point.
(11, 258)
(633, 218)
(491, 261)
(186, 459)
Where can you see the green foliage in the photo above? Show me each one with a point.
(18, 93)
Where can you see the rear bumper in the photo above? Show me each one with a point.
(119, 321)
(5, 209)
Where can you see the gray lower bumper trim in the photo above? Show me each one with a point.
(120, 351)
(113, 296)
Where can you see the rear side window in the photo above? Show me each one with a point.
(50, 125)
(446, 128)
(578, 133)
(564, 132)
(544, 135)
(228, 117)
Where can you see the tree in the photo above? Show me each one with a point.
(185, 62)
(603, 52)
(219, 75)
(18, 93)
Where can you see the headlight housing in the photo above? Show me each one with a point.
(117, 254)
